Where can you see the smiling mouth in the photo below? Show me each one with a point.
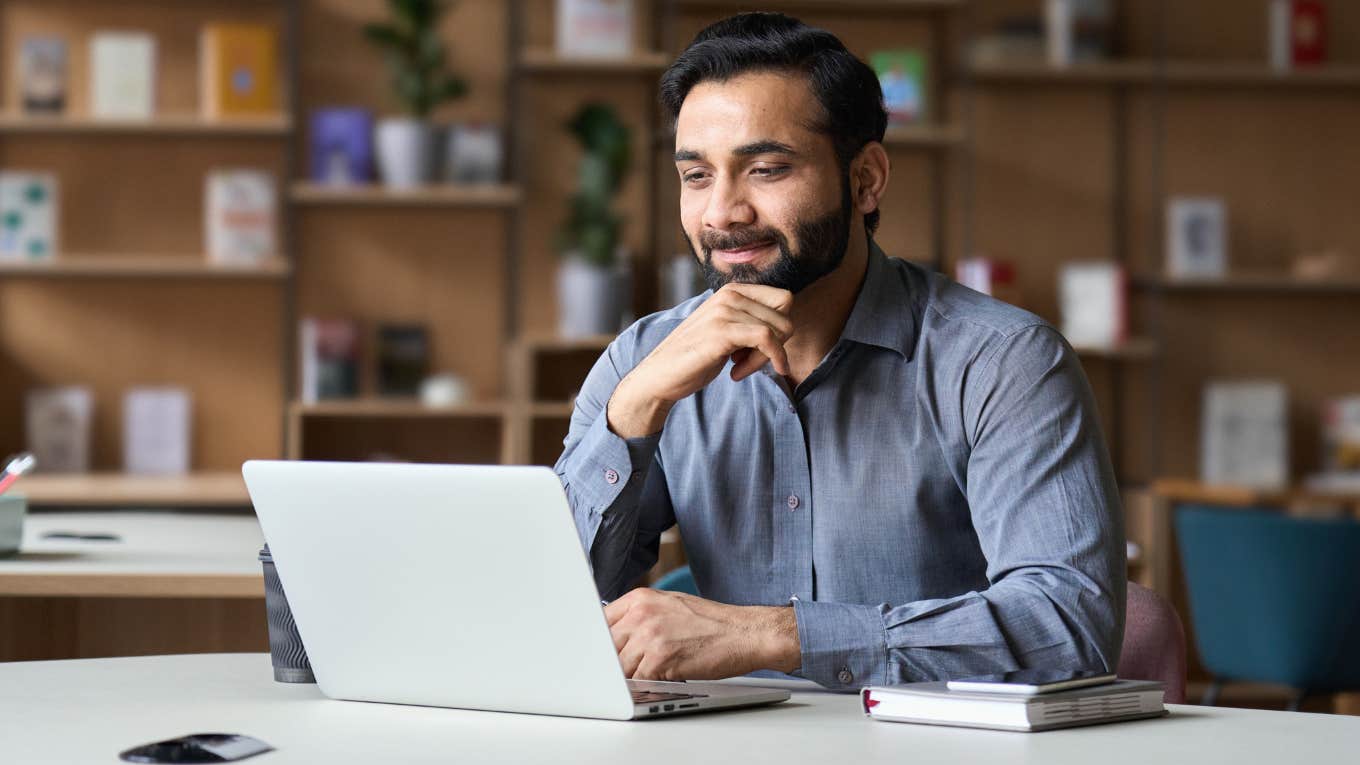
(743, 254)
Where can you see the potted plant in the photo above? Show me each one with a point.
(417, 63)
(590, 284)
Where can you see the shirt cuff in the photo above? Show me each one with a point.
(602, 465)
(843, 646)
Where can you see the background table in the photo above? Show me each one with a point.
(87, 711)
(176, 582)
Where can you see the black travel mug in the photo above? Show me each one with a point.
(285, 644)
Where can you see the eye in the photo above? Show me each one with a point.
(769, 172)
(694, 176)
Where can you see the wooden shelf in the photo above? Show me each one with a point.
(376, 408)
(163, 124)
(1171, 74)
(1039, 72)
(122, 490)
(143, 266)
(555, 343)
(545, 60)
(1251, 282)
(862, 6)
(433, 195)
(1189, 490)
(559, 410)
(1252, 74)
(924, 136)
(1134, 349)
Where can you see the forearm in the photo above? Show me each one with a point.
(1049, 618)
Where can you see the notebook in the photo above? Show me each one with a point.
(934, 704)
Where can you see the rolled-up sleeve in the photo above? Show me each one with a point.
(615, 486)
(1044, 504)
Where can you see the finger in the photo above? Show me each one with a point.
(629, 659)
(779, 299)
(762, 338)
(616, 610)
(620, 633)
(747, 362)
(764, 314)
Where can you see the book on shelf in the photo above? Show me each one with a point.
(1341, 435)
(122, 74)
(1094, 302)
(990, 277)
(902, 78)
(475, 153)
(933, 703)
(403, 359)
(1245, 434)
(239, 70)
(342, 146)
(1196, 237)
(595, 28)
(28, 217)
(43, 75)
(1078, 30)
(57, 424)
(329, 359)
(157, 431)
(1298, 33)
(241, 210)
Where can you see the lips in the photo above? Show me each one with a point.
(744, 254)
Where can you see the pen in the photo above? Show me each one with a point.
(16, 467)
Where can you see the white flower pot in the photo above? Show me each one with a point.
(405, 151)
(590, 299)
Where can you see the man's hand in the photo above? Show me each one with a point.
(747, 323)
(673, 636)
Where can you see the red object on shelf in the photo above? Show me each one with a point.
(1308, 32)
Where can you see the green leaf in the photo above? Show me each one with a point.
(385, 36)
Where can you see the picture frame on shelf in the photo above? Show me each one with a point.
(1197, 238)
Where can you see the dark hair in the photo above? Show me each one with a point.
(848, 90)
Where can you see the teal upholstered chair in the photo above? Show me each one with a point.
(677, 580)
(1273, 598)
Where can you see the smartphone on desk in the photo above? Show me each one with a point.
(1030, 682)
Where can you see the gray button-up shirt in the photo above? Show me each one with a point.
(935, 499)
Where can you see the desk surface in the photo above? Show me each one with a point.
(202, 489)
(88, 710)
(161, 554)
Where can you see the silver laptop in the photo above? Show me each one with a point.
(453, 586)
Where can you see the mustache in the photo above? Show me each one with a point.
(713, 240)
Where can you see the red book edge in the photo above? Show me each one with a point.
(869, 703)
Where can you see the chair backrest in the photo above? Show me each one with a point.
(677, 580)
(1154, 642)
(1273, 598)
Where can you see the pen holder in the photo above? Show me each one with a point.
(13, 507)
(285, 644)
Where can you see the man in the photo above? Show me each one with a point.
(879, 476)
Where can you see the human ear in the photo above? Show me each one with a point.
(869, 177)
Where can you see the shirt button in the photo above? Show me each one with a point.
(793, 502)
(793, 409)
(845, 676)
(793, 598)
(611, 476)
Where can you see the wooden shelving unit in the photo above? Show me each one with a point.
(1150, 73)
(161, 124)
(547, 61)
(1134, 349)
(925, 137)
(1283, 284)
(434, 195)
(144, 267)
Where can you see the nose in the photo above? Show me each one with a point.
(727, 206)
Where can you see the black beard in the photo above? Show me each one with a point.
(823, 243)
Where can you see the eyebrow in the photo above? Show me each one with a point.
(747, 150)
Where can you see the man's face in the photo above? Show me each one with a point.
(761, 193)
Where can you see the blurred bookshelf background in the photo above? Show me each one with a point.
(360, 229)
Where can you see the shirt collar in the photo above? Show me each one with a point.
(883, 314)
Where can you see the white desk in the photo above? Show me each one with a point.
(88, 710)
(160, 555)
